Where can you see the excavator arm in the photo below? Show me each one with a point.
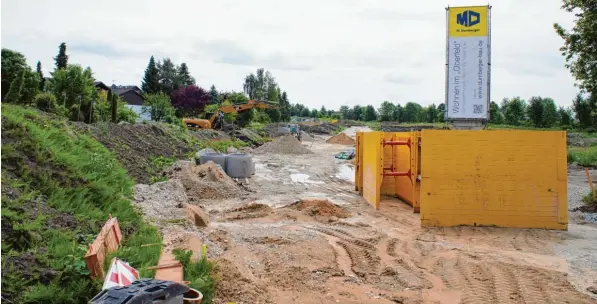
(208, 123)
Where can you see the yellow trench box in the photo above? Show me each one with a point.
(504, 178)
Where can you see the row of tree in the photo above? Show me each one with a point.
(70, 91)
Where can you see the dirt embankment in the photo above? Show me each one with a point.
(135, 144)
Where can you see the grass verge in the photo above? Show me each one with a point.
(58, 188)
(586, 157)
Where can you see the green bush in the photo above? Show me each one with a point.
(45, 101)
(126, 114)
(586, 157)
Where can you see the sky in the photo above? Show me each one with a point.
(326, 52)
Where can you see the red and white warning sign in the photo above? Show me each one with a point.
(120, 274)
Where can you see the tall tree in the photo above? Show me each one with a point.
(40, 73)
(344, 112)
(565, 116)
(357, 111)
(412, 112)
(550, 113)
(580, 43)
(151, 80)
(190, 99)
(369, 114)
(74, 88)
(213, 95)
(386, 111)
(582, 110)
(441, 109)
(535, 111)
(168, 76)
(14, 93)
(184, 76)
(158, 106)
(114, 108)
(284, 107)
(515, 111)
(12, 64)
(62, 59)
(431, 113)
(495, 115)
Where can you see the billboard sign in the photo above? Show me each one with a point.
(468, 63)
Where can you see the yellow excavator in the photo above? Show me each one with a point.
(193, 123)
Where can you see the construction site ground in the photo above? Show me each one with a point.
(299, 233)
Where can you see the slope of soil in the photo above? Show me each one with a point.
(58, 188)
(320, 207)
(341, 139)
(135, 144)
(320, 129)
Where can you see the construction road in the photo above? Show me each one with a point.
(271, 249)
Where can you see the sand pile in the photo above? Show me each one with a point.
(341, 139)
(284, 145)
(319, 207)
(205, 181)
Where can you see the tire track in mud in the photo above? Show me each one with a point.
(496, 282)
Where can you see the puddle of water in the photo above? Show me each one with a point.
(346, 172)
(303, 178)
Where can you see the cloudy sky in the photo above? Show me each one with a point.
(326, 52)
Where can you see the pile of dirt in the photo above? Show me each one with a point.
(234, 286)
(319, 207)
(134, 144)
(207, 181)
(284, 145)
(320, 129)
(341, 139)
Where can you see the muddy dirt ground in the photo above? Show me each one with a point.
(269, 250)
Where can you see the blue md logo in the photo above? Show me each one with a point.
(468, 18)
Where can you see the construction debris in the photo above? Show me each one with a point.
(284, 145)
(341, 139)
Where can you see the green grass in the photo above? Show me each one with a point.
(158, 164)
(199, 272)
(256, 126)
(52, 166)
(583, 156)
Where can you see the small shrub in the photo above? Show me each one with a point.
(45, 101)
(199, 272)
(589, 199)
(125, 114)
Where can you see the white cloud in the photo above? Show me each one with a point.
(330, 53)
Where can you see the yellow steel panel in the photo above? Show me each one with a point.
(416, 169)
(372, 166)
(358, 173)
(507, 178)
(388, 183)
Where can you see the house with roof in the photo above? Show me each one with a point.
(132, 95)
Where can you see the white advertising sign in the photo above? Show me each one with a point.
(468, 66)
